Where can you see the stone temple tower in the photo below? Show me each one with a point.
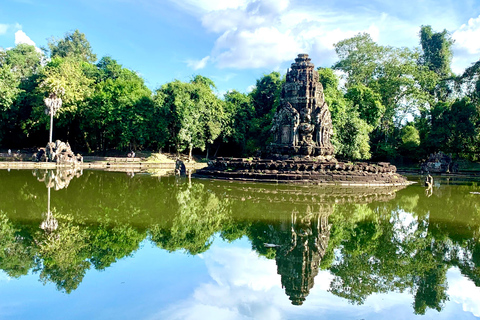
(302, 125)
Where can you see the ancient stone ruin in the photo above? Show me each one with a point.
(439, 163)
(302, 125)
(59, 152)
(301, 151)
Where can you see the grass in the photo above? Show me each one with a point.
(160, 158)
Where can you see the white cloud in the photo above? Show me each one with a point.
(198, 64)
(466, 47)
(466, 37)
(21, 37)
(270, 33)
(265, 46)
(244, 286)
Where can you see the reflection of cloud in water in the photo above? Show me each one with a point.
(246, 286)
(463, 291)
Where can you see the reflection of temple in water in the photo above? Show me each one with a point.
(300, 242)
(298, 258)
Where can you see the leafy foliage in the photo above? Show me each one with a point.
(73, 44)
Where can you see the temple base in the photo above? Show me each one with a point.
(303, 172)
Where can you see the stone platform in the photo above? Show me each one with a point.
(303, 172)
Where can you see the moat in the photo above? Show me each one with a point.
(101, 245)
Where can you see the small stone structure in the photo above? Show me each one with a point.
(301, 151)
(439, 163)
(59, 152)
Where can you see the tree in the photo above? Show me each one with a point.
(118, 112)
(212, 109)
(67, 79)
(23, 60)
(437, 50)
(199, 216)
(367, 103)
(393, 74)
(19, 68)
(359, 57)
(350, 132)
(193, 112)
(73, 44)
(265, 98)
(410, 138)
(9, 88)
(239, 112)
(456, 127)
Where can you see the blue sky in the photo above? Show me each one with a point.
(234, 42)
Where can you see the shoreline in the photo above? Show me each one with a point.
(120, 163)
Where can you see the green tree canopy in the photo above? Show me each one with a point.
(437, 50)
(73, 44)
(193, 113)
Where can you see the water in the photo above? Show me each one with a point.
(104, 245)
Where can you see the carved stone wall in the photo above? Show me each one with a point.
(302, 125)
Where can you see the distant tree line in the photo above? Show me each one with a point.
(396, 104)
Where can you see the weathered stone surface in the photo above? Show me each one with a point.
(303, 171)
(302, 125)
(439, 163)
(59, 152)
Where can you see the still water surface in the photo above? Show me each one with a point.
(103, 245)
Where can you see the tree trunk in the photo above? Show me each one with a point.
(208, 149)
(190, 153)
(216, 151)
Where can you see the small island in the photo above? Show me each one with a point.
(301, 151)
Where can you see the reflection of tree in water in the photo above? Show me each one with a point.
(57, 179)
(303, 245)
(200, 214)
(371, 247)
(16, 254)
(62, 256)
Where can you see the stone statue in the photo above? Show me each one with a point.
(59, 152)
(306, 130)
(285, 125)
(323, 126)
(296, 123)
